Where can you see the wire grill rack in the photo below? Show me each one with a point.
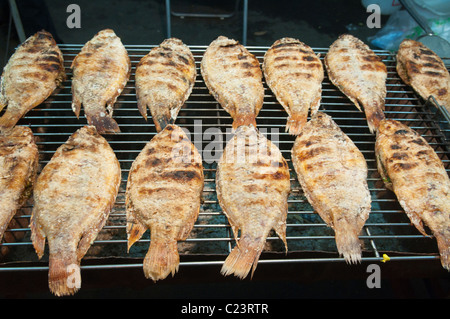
(387, 230)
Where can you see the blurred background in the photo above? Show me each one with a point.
(317, 23)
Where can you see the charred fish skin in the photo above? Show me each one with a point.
(252, 185)
(73, 197)
(31, 75)
(163, 194)
(19, 162)
(100, 72)
(234, 77)
(332, 172)
(414, 172)
(294, 73)
(423, 70)
(165, 78)
(360, 74)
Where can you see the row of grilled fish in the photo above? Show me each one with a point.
(233, 76)
(330, 168)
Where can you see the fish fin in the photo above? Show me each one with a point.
(8, 121)
(76, 105)
(64, 276)
(37, 238)
(135, 230)
(104, 124)
(161, 259)
(243, 258)
(295, 123)
(280, 229)
(444, 250)
(245, 119)
(348, 244)
(142, 107)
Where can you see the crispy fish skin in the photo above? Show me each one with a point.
(333, 174)
(423, 70)
(233, 76)
(163, 194)
(360, 74)
(252, 184)
(164, 80)
(73, 196)
(31, 75)
(294, 73)
(100, 72)
(19, 160)
(414, 172)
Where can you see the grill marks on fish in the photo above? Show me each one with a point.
(164, 80)
(333, 175)
(252, 184)
(424, 71)
(360, 74)
(233, 76)
(294, 73)
(100, 73)
(31, 75)
(19, 159)
(164, 194)
(417, 176)
(73, 196)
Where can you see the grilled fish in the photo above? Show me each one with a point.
(252, 184)
(19, 159)
(163, 194)
(413, 171)
(31, 75)
(164, 80)
(424, 71)
(333, 175)
(73, 196)
(294, 73)
(100, 73)
(360, 74)
(234, 77)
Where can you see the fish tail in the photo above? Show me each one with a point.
(374, 111)
(8, 121)
(348, 245)
(162, 121)
(244, 119)
(243, 258)
(103, 123)
(444, 250)
(64, 276)
(162, 259)
(295, 123)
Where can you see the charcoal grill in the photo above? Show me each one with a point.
(387, 231)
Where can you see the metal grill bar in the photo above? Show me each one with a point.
(387, 229)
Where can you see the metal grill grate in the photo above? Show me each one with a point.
(387, 230)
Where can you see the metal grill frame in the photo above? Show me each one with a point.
(53, 122)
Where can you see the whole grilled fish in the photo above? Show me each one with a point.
(31, 75)
(333, 175)
(413, 171)
(252, 184)
(294, 73)
(163, 194)
(19, 159)
(360, 74)
(424, 71)
(164, 80)
(73, 196)
(100, 73)
(234, 77)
